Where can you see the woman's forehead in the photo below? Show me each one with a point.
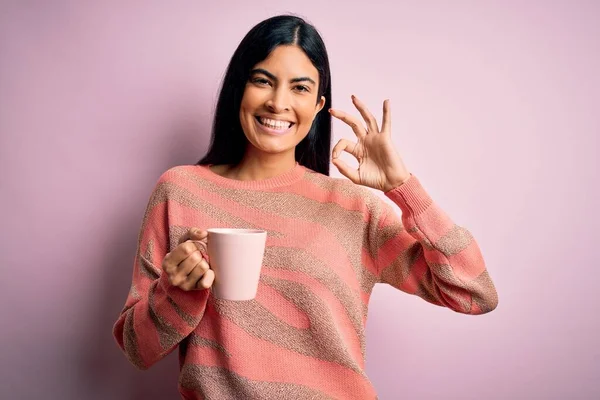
(288, 62)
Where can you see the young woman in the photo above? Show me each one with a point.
(329, 240)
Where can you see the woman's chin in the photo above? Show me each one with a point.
(272, 148)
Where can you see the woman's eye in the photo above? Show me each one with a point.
(302, 88)
(260, 81)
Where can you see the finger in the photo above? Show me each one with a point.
(354, 123)
(387, 117)
(167, 266)
(193, 234)
(207, 280)
(181, 252)
(194, 276)
(185, 268)
(172, 260)
(366, 114)
(347, 146)
(199, 234)
(346, 170)
(202, 247)
(187, 265)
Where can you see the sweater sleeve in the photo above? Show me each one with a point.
(156, 316)
(426, 254)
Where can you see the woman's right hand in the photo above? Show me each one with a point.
(185, 265)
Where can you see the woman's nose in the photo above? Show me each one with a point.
(279, 102)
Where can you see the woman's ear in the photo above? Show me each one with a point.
(320, 105)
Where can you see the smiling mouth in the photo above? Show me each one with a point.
(273, 124)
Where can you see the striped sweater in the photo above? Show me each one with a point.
(329, 242)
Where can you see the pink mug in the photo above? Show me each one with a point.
(236, 257)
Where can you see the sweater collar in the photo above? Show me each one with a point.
(285, 179)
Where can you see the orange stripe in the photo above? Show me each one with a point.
(436, 222)
(368, 262)
(323, 250)
(146, 333)
(393, 248)
(339, 313)
(417, 273)
(262, 361)
(317, 193)
(468, 264)
(281, 307)
(189, 302)
(187, 216)
(158, 213)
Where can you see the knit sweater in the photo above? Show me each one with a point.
(329, 242)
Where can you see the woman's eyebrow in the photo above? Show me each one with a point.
(273, 77)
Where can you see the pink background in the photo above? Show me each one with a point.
(495, 108)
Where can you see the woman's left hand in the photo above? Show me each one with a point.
(379, 164)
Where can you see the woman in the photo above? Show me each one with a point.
(329, 240)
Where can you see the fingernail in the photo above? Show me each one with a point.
(353, 97)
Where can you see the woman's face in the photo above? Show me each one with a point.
(280, 101)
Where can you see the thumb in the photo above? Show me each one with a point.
(193, 234)
(198, 234)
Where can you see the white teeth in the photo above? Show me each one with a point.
(275, 124)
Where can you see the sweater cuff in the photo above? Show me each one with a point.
(411, 197)
(191, 302)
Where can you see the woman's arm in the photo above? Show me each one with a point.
(157, 315)
(426, 254)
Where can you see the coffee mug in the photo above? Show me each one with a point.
(236, 257)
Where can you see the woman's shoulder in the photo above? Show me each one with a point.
(181, 173)
(179, 178)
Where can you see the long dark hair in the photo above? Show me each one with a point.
(228, 142)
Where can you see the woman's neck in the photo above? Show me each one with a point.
(253, 168)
